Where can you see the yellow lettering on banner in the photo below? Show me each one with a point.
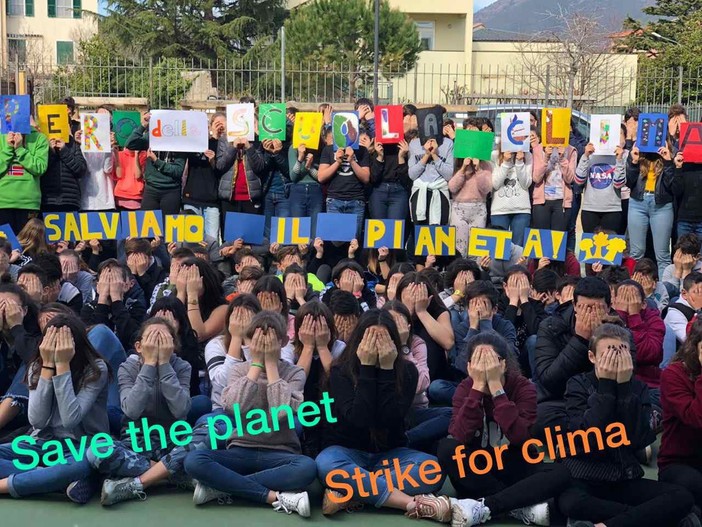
(53, 231)
(558, 238)
(297, 239)
(110, 224)
(501, 238)
(424, 241)
(477, 245)
(71, 231)
(133, 227)
(533, 245)
(150, 226)
(173, 227)
(398, 233)
(376, 230)
(445, 238)
(85, 229)
(281, 231)
(194, 229)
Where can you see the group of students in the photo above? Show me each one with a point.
(423, 358)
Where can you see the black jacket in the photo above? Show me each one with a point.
(687, 187)
(153, 276)
(202, 184)
(637, 184)
(591, 402)
(60, 186)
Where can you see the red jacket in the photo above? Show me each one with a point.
(681, 400)
(514, 412)
(648, 330)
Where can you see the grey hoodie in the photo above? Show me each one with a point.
(433, 170)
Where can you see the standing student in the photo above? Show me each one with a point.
(67, 400)
(430, 169)
(129, 179)
(60, 185)
(264, 467)
(469, 187)
(511, 202)
(306, 197)
(390, 178)
(554, 172)
(163, 174)
(96, 186)
(276, 181)
(609, 487)
(495, 406)
(373, 387)
(686, 186)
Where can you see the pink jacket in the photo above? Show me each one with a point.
(418, 356)
(568, 165)
(475, 187)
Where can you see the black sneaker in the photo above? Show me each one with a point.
(83, 490)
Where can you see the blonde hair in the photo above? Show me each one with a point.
(32, 237)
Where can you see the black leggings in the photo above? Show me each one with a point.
(685, 476)
(167, 201)
(551, 215)
(610, 221)
(633, 503)
(519, 484)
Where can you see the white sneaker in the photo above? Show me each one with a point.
(467, 513)
(204, 494)
(534, 515)
(289, 502)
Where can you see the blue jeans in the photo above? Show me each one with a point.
(441, 392)
(275, 205)
(41, 480)
(109, 346)
(513, 222)
(389, 201)
(428, 425)
(199, 405)
(306, 201)
(660, 217)
(686, 227)
(354, 206)
(348, 459)
(211, 215)
(251, 473)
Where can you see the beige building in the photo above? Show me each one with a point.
(42, 32)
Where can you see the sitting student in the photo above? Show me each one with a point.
(346, 312)
(246, 282)
(243, 258)
(561, 347)
(646, 274)
(680, 313)
(459, 274)
(168, 286)
(254, 465)
(388, 290)
(609, 488)
(565, 289)
(6, 264)
(686, 259)
(680, 458)
(67, 382)
(348, 275)
(47, 286)
(271, 294)
(119, 304)
(145, 268)
(297, 290)
(373, 387)
(287, 256)
(72, 273)
(495, 406)
(154, 384)
(327, 255)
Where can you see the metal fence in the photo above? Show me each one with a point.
(173, 83)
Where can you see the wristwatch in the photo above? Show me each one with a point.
(405, 350)
(498, 393)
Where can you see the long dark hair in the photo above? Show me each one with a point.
(499, 346)
(688, 354)
(84, 365)
(435, 304)
(273, 284)
(317, 310)
(189, 344)
(399, 307)
(212, 294)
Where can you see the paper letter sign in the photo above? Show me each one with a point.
(437, 240)
(539, 243)
(15, 114)
(691, 142)
(515, 132)
(604, 133)
(389, 128)
(307, 130)
(652, 132)
(601, 247)
(124, 124)
(384, 233)
(291, 231)
(53, 121)
(96, 132)
(271, 121)
(473, 144)
(334, 227)
(346, 130)
(431, 124)
(248, 227)
(7, 233)
(178, 131)
(494, 243)
(240, 122)
(555, 127)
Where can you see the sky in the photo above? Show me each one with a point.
(479, 4)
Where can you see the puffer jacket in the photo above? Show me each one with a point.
(226, 163)
(60, 186)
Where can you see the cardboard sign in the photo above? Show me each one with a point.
(291, 231)
(555, 127)
(384, 233)
(605, 131)
(437, 240)
(515, 131)
(124, 123)
(7, 233)
(53, 121)
(496, 244)
(652, 132)
(271, 121)
(15, 114)
(336, 227)
(240, 122)
(308, 129)
(473, 144)
(691, 142)
(431, 124)
(96, 132)
(607, 249)
(74, 226)
(178, 131)
(345, 130)
(389, 126)
(188, 228)
(542, 243)
(141, 224)
(248, 227)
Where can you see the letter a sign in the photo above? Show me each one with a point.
(691, 142)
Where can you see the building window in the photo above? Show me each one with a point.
(64, 8)
(426, 35)
(64, 52)
(17, 48)
(15, 7)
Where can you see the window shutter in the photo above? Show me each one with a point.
(52, 8)
(29, 7)
(64, 52)
(77, 9)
